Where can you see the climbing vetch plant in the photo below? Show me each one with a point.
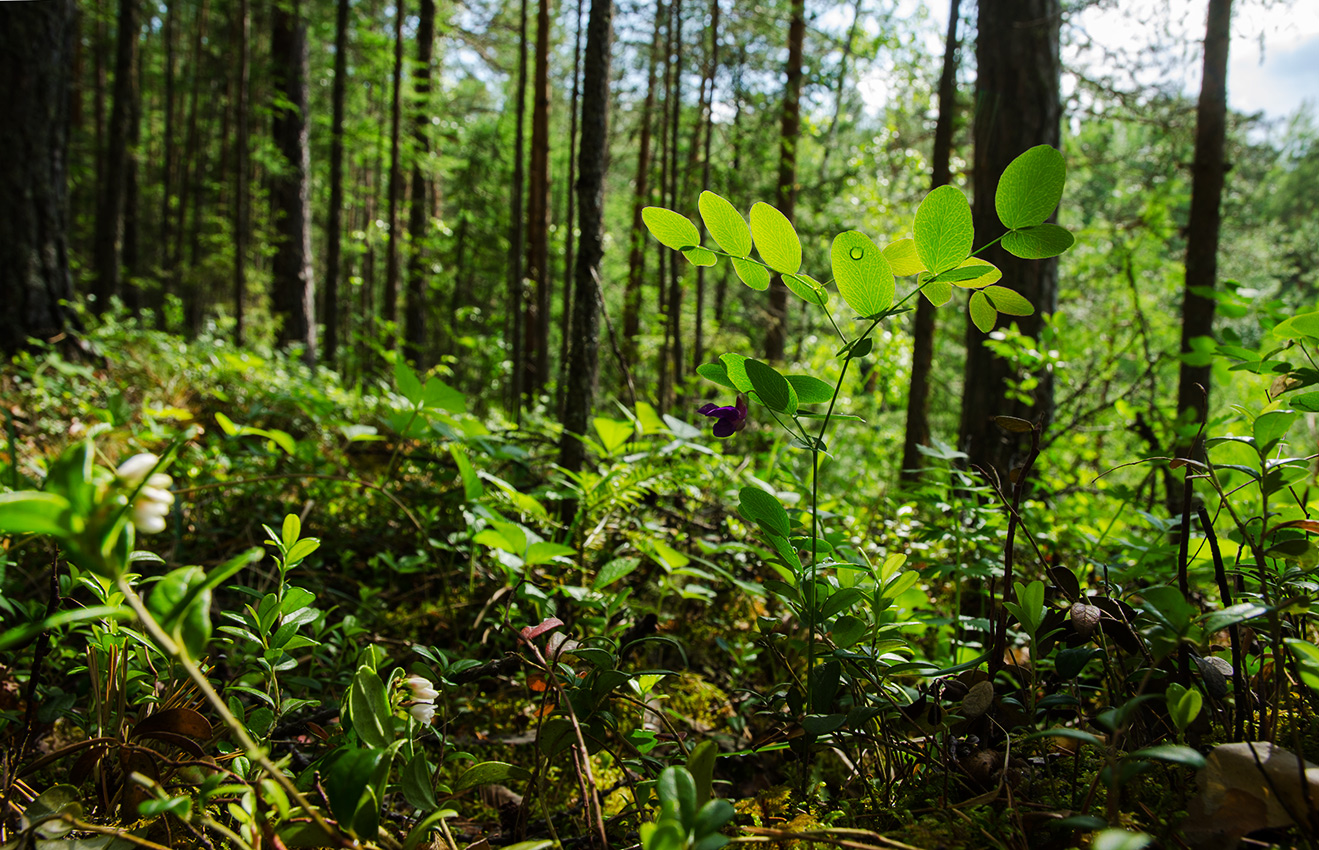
(938, 258)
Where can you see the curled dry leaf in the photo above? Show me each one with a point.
(1245, 787)
(1085, 618)
(978, 699)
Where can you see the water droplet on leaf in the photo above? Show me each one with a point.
(856, 253)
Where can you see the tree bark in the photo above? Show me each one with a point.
(167, 168)
(636, 265)
(584, 367)
(1207, 177)
(786, 195)
(131, 283)
(292, 285)
(36, 41)
(389, 306)
(565, 315)
(707, 86)
(517, 233)
(538, 212)
(240, 176)
(922, 356)
(1017, 107)
(334, 227)
(414, 325)
(108, 252)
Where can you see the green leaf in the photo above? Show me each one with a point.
(33, 512)
(1307, 660)
(613, 571)
(809, 389)
(1172, 754)
(543, 552)
(671, 229)
(677, 794)
(1030, 188)
(847, 630)
(751, 273)
(938, 293)
(1271, 427)
(1008, 301)
(757, 506)
(347, 772)
(1039, 242)
(864, 277)
(775, 239)
(1299, 326)
(21, 635)
(699, 256)
(735, 365)
(1183, 705)
(725, 224)
(716, 372)
(1120, 839)
(490, 773)
(773, 389)
(970, 275)
(806, 288)
(902, 258)
(368, 709)
(614, 433)
(700, 763)
(415, 777)
(437, 395)
(943, 229)
(982, 312)
(404, 379)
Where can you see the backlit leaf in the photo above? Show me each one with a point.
(725, 224)
(1030, 188)
(751, 273)
(864, 277)
(982, 312)
(806, 288)
(1039, 242)
(943, 229)
(775, 239)
(670, 228)
(774, 390)
(902, 258)
(1008, 301)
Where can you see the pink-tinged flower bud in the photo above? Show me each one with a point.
(422, 712)
(422, 689)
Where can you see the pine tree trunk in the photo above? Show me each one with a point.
(517, 233)
(108, 250)
(707, 85)
(240, 201)
(670, 271)
(922, 357)
(334, 227)
(636, 265)
(584, 367)
(1017, 107)
(167, 168)
(389, 306)
(1207, 177)
(786, 194)
(538, 212)
(36, 40)
(292, 285)
(414, 325)
(565, 314)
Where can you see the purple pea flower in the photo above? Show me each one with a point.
(730, 419)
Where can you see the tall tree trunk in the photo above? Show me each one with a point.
(108, 252)
(1017, 88)
(922, 355)
(565, 314)
(389, 308)
(636, 265)
(1207, 176)
(292, 284)
(786, 194)
(414, 335)
(36, 40)
(240, 202)
(167, 167)
(334, 227)
(517, 232)
(538, 212)
(99, 85)
(707, 86)
(670, 271)
(584, 367)
(131, 285)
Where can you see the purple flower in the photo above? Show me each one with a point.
(730, 419)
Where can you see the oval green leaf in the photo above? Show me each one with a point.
(1039, 242)
(760, 507)
(810, 389)
(774, 390)
(33, 512)
(902, 258)
(699, 256)
(725, 224)
(806, 288)
(671, 229)
(716, 372)
(490, 773)
(1008, 301)
(775, 239)
(938, 293)
(943, 229)
(1030, 188)
(864, 277)
(735, 368)
(751, 273)
(982, 312)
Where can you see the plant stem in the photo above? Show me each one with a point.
(239, 731)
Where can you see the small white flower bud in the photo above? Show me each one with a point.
(422, 689)
(423, 712)
(133, 470)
